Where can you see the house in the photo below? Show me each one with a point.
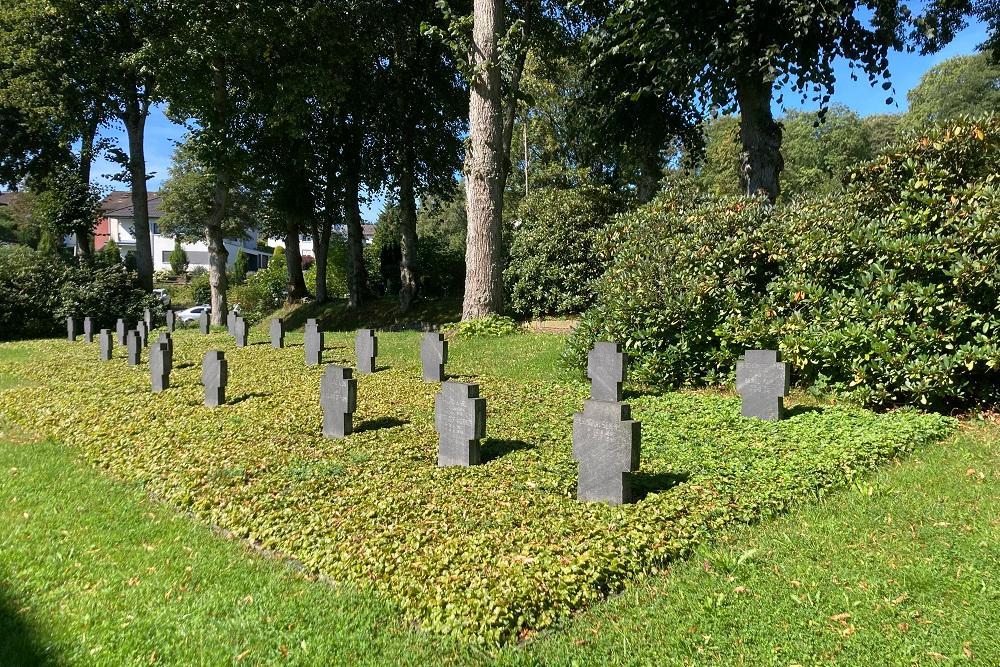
(117, 222)
(306, 242)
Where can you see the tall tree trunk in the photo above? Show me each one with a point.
(218, 256)
(407, 231)
(484, 167)
(136, 110)
(84, 234)
(648, 183)
(297, 289)
(760, 136)
(322, 229)
(357, 274)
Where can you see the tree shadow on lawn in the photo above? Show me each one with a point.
(495, 449)
(645, 483)
(186, 364)
(246, 397)
(19, 643)
(380, 423)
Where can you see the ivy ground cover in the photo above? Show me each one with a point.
(486, 553)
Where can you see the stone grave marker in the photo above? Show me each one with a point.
(277, 333)
(215, 377)
(160, 365)
(143, 332)
(71, 329)
(167, 340)
(107, 344)
(133, 346)
(88, 330)
(433, 356)
(314, 343)
(460, 421)
(366, 349)
(147, 317)
(338, 396)
(762, 381)
(240, 331)
(606, 369)
(121, 330)
(171, 319)
(231, 322)
(203, 322)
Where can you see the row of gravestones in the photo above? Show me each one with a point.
(606, 440)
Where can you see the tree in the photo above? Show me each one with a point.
(110, 253)
(65, 205)
(958, 86)
(883, 130)
(240, 266)
(178, 259)
(736, 54)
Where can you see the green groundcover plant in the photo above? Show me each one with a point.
(484, 553)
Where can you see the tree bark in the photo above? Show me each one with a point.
(297, 289)
(83, 235)
(648, 183)
(408, 231)
(357, 274)
(136, 110)
(218, 256)
(484, 167)
(321, 246)
(760, 136)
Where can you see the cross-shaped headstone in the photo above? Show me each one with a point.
(147, 317)
(762, 381)
(433, 356)
(167, 340)
(171, 318)
(366, 349)
(277, 333)
(143, 333)
(313, 343)
(240, 331)
(338, 396)
(606, 369)
(606, 443)
(121, 330)
(71, 329)
(160, 365)
(215, 377)
(107, 344)
(460, 421)
(88, 330)
(203, 322)
(231, 322)
(133, 345)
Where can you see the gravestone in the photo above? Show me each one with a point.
(314, 343)
(231, 322)
(203, 322)
(160, 365)
(133, 346)
(168, 340)
(143, 332)
(277, 333)
(433, 356)
(107, 344)
(71, 329)
(121, 330)
(240, 331)
(88, 330)
(171, 320)
(606, 440)
(147, 317)
(762, 381)
(215, 376)
(366, 349)
(460, 421)
(338, 395)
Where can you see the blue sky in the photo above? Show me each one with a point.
(906, 68)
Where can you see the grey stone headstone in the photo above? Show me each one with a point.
(121, 330)
(143, 332)
(313, 343)
(433, 356)
(460, 421)
(167, 340)
(338, 396)
(88, 330)
(606, 442)
(606, 365)
(133, 346)
(762, 381)
(171, 320)
(203, 322)
(71, 329)
(366, 349)
(160, 365)
(215, 377)
(231, 322)
(240, 331)
(107, 344)
(147, 317)
(277, 333)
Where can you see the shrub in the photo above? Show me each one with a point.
(178, 259)
(553, 260)
(240, 266)
(491, 326)
(201, 288)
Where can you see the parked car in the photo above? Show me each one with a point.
(192, 314)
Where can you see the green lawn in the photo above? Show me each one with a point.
(128, 593)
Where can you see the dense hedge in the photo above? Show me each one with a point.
(554, 260)
(38, 291)
(886, 294)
